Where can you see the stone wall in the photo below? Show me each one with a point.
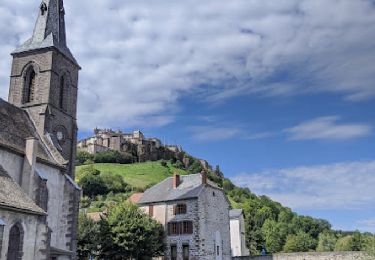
(214, 224)
(308, 256)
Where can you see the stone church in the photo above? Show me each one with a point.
(39, 200)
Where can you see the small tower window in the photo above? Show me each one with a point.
(62, 91)
(43, 8)
(30, 83)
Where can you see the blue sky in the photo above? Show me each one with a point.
(280, 94)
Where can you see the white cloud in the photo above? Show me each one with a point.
(327, 128)
(346, 185)
(215, 132)
(211, 133)
(140, 57)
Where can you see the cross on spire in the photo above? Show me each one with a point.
(49, 30)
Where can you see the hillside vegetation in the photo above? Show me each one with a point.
(269, 225)
(138, 175)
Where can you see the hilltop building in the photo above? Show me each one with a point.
(195, 213)
(237, 233)
(38, 137)
(136, 144)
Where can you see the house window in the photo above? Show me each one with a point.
(173, 252)
(151, 210)
(185, 252)
(15, 243)
(180, 228)
(29, 87)
(180, 209)
(218, 250)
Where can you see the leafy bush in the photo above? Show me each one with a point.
(83, 157)
(113, 157)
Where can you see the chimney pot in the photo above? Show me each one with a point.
(204, 177)
(176, 180)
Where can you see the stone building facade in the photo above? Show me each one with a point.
(141, 148)
(195, 213)
(39, 201)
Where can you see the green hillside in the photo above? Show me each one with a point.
(269, 225)
(138, 175)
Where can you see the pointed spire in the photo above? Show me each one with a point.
(49, 29)
(50, 21)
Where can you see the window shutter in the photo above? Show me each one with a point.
(169, 229)
(175, 210)
(190, 227)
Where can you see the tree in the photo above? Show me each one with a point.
(301, 242)
(92, 183)
(327, 241)
(115, 183)
(272, 235)
(344, 244)
(88, 235)
(83, 157)
(134, 233)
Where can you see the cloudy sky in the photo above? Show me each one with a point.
(280, 94)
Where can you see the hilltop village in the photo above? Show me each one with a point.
(58, 203)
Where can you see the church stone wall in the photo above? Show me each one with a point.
(57, 208)
(35, 234)
(12, 164)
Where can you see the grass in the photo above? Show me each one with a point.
(138, 175)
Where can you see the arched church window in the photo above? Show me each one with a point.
(30, 84)
(15, 243)
(62, 92)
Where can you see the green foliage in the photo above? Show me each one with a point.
(163, 163)
(228, 185)
(88, 236)
(344, 244)
(124, 233)
(134, 233)
(327, 241)
(94, 183)
(83, 157)
(273, 236)
(301, 242)
(137, 175)
(113, 157)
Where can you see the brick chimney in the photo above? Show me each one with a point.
(204, 177)
(176, 180)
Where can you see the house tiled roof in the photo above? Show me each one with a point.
(235, 213)
(16, 127)
(135, 198)
(13, 197)
(190, 187)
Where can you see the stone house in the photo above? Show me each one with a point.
(237, 233)
(195, 214)
(39, 201)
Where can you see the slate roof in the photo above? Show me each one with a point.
(13, 197)
(190, 187)
(235, 213)
(16, 127)
(49, 31)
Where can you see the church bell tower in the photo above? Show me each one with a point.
(44, 80)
